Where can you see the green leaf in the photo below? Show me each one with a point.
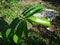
(15, 38)
(11, 29)
(22, 27)
(0, 34)
(14, 23)
(19, 30)
(40, 21)
(25, 29)
(8, 32)
(34, 9)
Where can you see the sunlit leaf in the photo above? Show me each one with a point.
(15, 38)
(8, 32)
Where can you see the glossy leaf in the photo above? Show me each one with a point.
(40, 21)
(35, 9)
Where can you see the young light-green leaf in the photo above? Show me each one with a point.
(15, 38)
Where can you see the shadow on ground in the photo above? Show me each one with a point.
(54, 2)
